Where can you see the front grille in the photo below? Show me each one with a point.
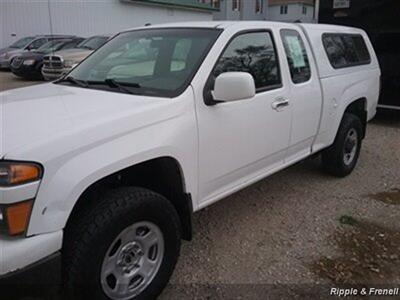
(53, 62)
(17, 62)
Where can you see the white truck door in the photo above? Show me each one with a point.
(240, 141)
(305, 91)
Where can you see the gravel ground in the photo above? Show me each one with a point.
(298, 232)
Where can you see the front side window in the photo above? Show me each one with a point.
(93, 43)
(346, 50)
(70, 45)
(253, 53)
(296, 56)
(50, 46)
(37, 43)
(154, 62)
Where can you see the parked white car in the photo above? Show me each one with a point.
(102, 170)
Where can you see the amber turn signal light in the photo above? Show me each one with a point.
(17, 217)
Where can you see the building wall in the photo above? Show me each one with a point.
(249, 11)
(295, 13)
(84, 18)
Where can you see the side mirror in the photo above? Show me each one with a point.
(233, 86)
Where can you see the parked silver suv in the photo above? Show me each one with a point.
(61, 62)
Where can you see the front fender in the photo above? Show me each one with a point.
(64, 182)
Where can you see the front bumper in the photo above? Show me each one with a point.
(4, 63)
(27, 71)
(17, 253)
(52, 74)
(46, 272)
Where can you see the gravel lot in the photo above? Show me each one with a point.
(298, 232)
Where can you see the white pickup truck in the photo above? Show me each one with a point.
(101, 171)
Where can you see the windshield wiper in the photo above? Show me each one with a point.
(122, 86)
(72, 80)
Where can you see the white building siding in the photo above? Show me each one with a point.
(295, 13)
(84, 17)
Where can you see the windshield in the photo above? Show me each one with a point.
(50, 46)
(158, 62)
(21, 43)
(93, 43)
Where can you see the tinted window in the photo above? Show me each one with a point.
(346, 50)
(22, 42)
(296, 55)
(93, 43)
(71, 44)
(36, 44)
(253, 53)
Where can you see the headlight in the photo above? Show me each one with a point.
(29, 62)
(14, 173)
(6, 55)
(70, 63)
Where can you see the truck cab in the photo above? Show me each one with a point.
(103, 175)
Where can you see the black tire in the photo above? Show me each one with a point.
(89, 237)
(333, 158)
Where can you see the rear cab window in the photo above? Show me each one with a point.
(346, 50)
(296, 55)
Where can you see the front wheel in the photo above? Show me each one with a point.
(125, 248)
(341, 158)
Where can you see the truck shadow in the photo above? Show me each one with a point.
(390, 118)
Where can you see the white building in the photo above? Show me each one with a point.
(292, 11)
(239, 9)
(19, 18)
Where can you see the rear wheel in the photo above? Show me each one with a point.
(341, 158)
(125, 248)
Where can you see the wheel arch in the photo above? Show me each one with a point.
(358, 107)
(162, 175)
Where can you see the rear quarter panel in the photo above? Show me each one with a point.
(341, 87)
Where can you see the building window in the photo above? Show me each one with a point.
(304, 10)
(284, 9)
(259, 6)
(216, 4)
(236, 5)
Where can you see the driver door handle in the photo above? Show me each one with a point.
(280, 103)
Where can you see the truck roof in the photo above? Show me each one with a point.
(226, 24)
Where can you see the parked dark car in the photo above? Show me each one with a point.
(25, 44)
(29, 63)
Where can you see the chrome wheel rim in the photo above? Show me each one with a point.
(350, 147)
(132, 261)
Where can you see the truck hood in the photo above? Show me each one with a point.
(39, 116)
(73, 54)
